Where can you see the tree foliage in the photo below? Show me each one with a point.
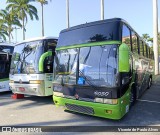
(7, 21)
(23, 9)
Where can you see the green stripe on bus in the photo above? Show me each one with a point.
(89, 44)
(5, 79)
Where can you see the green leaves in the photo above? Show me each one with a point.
(17, 13)
(23, 9)
(8, 19)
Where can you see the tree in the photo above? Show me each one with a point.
(8, 19)
(42, 2)
(23, 9)
(146, 37)
(3, 31)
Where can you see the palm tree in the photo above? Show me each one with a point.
(3, 31)
(42, 2)
(9, 19)
(22, 8)
(145, 37)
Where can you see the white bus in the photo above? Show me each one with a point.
(6, 51)
(31, 69)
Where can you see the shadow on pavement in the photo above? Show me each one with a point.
(30, 100)
(143, 113)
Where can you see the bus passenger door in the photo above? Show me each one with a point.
(50, 45)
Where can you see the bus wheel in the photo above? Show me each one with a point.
(133, 96)
(149, 83)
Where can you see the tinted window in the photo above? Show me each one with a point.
(149, 53)
(65, 66)
(92, 66)
(141, 48)
(145, 51)
(8, 49)
(126, 36)
(134, 42)
(50, 45)
(100, 70)
(90, 33)
(4, 66)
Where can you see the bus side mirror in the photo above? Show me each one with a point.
(41, 60)
(124, 58)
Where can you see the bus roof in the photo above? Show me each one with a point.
(93, 23)
(6, 44)
(98, 22)
(102, 22)
(35, 39)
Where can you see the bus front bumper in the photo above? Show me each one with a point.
(91, 108)
(29, 89)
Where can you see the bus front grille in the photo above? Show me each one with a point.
(81, 109)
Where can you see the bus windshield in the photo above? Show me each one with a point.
(94, 65)
(6, 49)
(5, 59)
(26, 57)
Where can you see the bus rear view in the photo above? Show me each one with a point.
(31, 70)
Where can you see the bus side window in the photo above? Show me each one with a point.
(127, 76)
(134, 42)
(126, 38)
(50, 45)
(145, 50)
(149, 52)
(141, 47)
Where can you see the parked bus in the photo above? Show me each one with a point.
(31, 70)
(6, 51)
(101, 68)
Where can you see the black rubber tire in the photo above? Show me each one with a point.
(149, 83)
(133, 96)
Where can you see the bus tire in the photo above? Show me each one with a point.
(133, 95)
(149, 82)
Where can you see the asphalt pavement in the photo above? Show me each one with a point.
(41, 111)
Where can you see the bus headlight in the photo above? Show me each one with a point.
(100, 100)
(110, 101)
(106, 101)
(35, 81)
(11, 81)
(59, 94)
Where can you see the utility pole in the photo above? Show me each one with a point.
(102, 9)
(16, 33)
(155, 36)
(67, 12)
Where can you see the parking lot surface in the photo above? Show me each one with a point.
(41, 111)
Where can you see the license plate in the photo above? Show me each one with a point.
(22, 89)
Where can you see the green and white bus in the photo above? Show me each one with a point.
(101, 68)
(31, 69)
(6, 51)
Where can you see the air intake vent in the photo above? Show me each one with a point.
(81, 109)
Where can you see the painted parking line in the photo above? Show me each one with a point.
(148, 101)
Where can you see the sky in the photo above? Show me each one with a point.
(138, 13)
